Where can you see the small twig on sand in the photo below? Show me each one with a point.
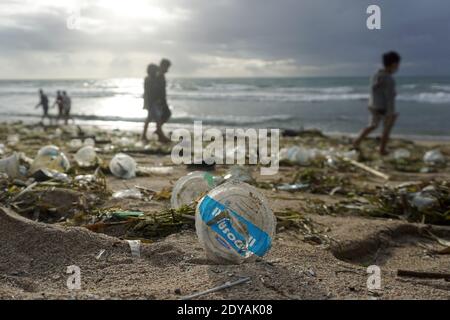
(367, 168)
(31, 186)
(423, 275)
(219, 288)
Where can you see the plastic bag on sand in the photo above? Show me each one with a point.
(191, 187)
(51, 158)
(123, 166)
(234, 223)
(86, 157)
(434, 157)
(10, 166)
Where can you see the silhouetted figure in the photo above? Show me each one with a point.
(67, 106)
(150, 97)
(44, 104)
(162, 99)
(382, 101)
(59, 103)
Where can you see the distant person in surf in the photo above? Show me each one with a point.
(66, 106)
(43, 102)
(155, 99)
(382, 101)
(60, 104)
(150, 96)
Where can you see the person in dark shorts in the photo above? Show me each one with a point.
(150, 97)
(67, 106)
(43, 102)
(161, 100)
(382, 101)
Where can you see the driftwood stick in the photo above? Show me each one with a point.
(367, 168)
(423, 275)
(219, 288)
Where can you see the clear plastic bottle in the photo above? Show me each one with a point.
(191, 187)
(86, 157)
(123, 166)
(234, 223)
(51, 158)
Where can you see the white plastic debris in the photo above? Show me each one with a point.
(86, 157)
(434, 157)
(51, 158)
(75, 144)
(239, 173)
(123, 166)
(10, 166)
(423, 201)
(12, 139)
(402, 154)
(2, 149)
(156, 170)
(234, 223)
(191, 187)
(135, 247)
(89, 142)
(127, 194)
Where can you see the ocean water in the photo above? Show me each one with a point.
(329, 104)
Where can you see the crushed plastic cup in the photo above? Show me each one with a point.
(127, 194)
(86, 157)
(75, 144)
(50, 158)
(401, 154)
(298, 155)
(434, 157)
(89, 142)
(123, 166)
(10, 166)
(190, 187)
(12, 139)
(239, 173)
(234, 223)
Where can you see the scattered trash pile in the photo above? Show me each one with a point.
(232, 218)
(426, 202)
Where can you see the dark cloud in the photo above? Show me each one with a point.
(251, 37)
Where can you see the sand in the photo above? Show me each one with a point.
(35, 255)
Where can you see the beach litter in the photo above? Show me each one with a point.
(163, 170)
(135, 247)
(234, 223)
(190, 188)
(86, 157)
(10, 166)
(128, 194)
(401, 154)
(123, 166)
(239, 173)
(434, 157)
(50, 158)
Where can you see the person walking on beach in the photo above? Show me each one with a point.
(66, 106)
(44, 104)
(161, 84)
(382, 101)
(59, 103)
(157, 99)
(150, 97)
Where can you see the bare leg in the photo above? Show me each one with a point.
(144, 134)
(160, 133)
(388, 125)
(364, 133)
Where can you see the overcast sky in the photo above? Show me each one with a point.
(214, 38)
